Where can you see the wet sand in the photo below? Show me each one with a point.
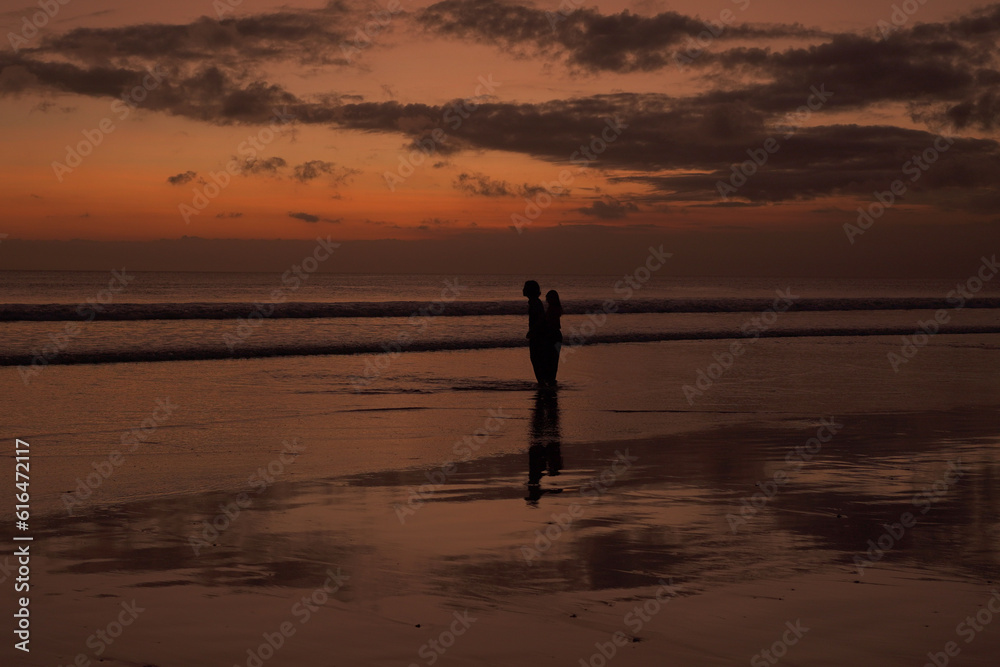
(653, 496)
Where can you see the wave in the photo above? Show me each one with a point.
(204, 353)
(21, 312)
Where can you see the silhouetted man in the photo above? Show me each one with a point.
(538, 338)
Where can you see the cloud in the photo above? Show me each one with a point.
(609, 208)
(946, 71)
(181, 179)
(589, 40)
(205, 93)
(313, 169)
(269, 165)
(698, 141)
(310, 218)
(840, 160)
(482, 185)
(300, 35)
(214, 70)
(16, 79)
(47, 106)
(671, 147)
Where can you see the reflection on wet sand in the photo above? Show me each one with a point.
(665, 518)
(545, 444)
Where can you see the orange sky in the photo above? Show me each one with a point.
(558, 79)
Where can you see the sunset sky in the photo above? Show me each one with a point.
(320, 124)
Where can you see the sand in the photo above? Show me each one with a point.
(407, 505)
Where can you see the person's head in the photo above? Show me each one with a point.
(552, 297)
(531, 289)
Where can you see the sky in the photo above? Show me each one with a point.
(719, 124)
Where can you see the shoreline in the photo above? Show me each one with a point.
(29, 366)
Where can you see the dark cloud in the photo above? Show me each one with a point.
(698, 140)
(181, 179)
(946, 72)
(16, 79)
(19, 73)
(566, 131)
(609, 208)
(210, 70)
(305, 36)
(47, 106)
(980, 110)
(622, 42)
(841, 159)
(310, 218)
(482, 185)
(269, 166)
(676, 148)
(207, 93)
(313, 169)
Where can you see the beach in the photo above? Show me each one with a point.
(253, 495)
(500, 333)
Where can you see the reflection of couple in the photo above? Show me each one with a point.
(544, 333)
(545, 445)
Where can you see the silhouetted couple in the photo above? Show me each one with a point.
(544, 333)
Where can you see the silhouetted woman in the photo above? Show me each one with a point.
(538, 339)
(553, 311)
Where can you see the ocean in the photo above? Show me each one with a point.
(703, 435)
(91, 317)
